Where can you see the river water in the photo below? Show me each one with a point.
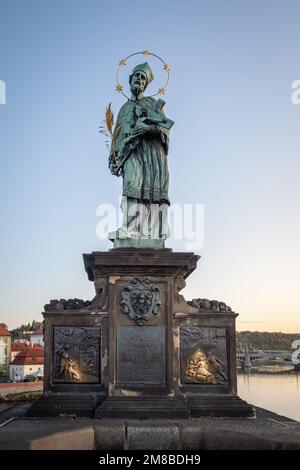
(276, 389)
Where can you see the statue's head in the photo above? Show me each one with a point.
(140, 78)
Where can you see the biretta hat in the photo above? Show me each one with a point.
(145, 67)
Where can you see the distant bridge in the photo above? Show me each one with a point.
(279, 357)
(246, 357)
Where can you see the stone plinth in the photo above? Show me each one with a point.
(268, 431)
(139, 350)
(73, 337)
(140, 304)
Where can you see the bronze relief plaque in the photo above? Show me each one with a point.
(203, 355)
(141, 355)
(76, 355)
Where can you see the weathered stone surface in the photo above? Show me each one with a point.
(219, 406)
(153, 436)
(140, 339)
(70, 304)
(214, 333)
(132, 261)
(65, 404)
(139, 407)
(47, 435)
(73, 337)
(140, 300)
(212, 439)
(110, 435)
(213, 305)
(267, 431)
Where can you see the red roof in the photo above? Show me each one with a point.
(32, 355)
(4, 331)
(18, 347)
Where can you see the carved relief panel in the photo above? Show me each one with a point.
(76, 355)
(203, 355)
(140, 300)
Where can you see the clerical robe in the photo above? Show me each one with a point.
(145, 172)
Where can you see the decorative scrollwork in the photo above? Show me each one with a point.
(140, 300)
(70, 304)
(212, 305)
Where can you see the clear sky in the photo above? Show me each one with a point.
(234, 146)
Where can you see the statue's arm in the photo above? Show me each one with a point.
(154, 131)
(150, 124)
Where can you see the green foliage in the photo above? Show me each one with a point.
(263, 340)
(20, 332)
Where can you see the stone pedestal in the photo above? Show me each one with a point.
(139, 350)
(75, 362)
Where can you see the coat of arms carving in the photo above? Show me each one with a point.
(140, 300)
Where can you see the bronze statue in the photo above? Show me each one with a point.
(138, 153)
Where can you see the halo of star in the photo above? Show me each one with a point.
(123, 62)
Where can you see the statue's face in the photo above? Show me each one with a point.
(138, 82)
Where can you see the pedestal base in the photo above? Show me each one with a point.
(220, 406)
(138, 347)
(157, 243)
(121, 239)
(79, 405)
(174, 408)
(143, 408)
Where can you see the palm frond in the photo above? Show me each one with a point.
(106, 128)
(109, 119)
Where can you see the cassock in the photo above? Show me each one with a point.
(145, 171)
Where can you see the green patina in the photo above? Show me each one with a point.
(140, 144)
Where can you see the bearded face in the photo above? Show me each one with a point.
(138, 82)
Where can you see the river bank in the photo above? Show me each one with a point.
(23, 391)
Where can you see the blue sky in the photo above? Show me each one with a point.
(234, 146)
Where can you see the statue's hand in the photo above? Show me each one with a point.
(113, 166)
(140, 129)
(114, 169)
(127, 141)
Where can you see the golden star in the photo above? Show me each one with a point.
(146, 52)
(162, 91)
(119, 87)
(167, 67)
(122, 62)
